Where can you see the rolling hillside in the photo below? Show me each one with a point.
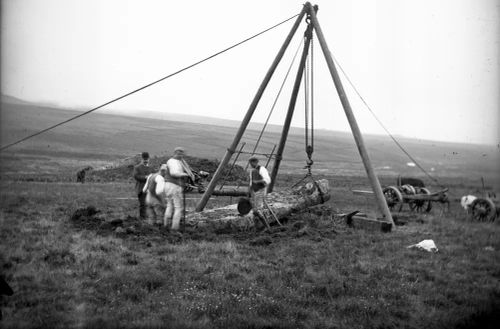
(101, 138)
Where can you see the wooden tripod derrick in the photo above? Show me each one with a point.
(313, 25)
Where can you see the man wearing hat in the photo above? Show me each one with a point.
(155, 195)
(177, 172)
(259, 180)
(140, 173)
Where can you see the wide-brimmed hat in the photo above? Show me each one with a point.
(253, 158)
(145, 155)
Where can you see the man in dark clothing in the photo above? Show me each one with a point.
(141, 172)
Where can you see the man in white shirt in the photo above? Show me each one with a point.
(259, 181)
(155, 195)
(177, 173)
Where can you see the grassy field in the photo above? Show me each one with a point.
(313, 273)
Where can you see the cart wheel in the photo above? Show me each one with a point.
(408, 189)
(483, 210)
(421, 205)
(429, 202)
(393, 197)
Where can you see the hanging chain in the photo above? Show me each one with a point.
(311, 54)
(309, 111)
(309, 116)
(306, 99)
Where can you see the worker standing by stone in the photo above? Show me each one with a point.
(140, 173)
(155, 195)
(178, 172)
(259, 180)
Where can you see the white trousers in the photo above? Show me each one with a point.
(175, 206)
(154, 209)
(257, 199)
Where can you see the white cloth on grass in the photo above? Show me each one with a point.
(427, 245)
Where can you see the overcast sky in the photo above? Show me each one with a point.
(428, 68)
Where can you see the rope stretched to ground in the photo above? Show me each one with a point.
(275, 101)
(146, 86)
(385, 128)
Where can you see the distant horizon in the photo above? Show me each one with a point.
(136, 113)
(428, 70)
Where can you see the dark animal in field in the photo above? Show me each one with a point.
(415, 182)
(80, 175)
(5, 290)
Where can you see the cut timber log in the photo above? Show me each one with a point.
(281, 203)
(231, 191)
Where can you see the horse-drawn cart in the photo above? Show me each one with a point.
(419, 199)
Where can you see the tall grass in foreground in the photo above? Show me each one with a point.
(314, 273)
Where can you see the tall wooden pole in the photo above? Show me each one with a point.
(291, 108)
(379, 195)
(232, 148)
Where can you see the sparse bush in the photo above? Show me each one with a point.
(56, 257)
(94, 264)
(130, 258)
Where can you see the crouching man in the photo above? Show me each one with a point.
(177, 172)
(155, 195)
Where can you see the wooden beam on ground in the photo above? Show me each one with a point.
(231, 192)
(362, 192)
(362, 221)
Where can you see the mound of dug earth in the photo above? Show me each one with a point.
(87, 218)
(315, 224)
(125, 170)
(90, 218)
